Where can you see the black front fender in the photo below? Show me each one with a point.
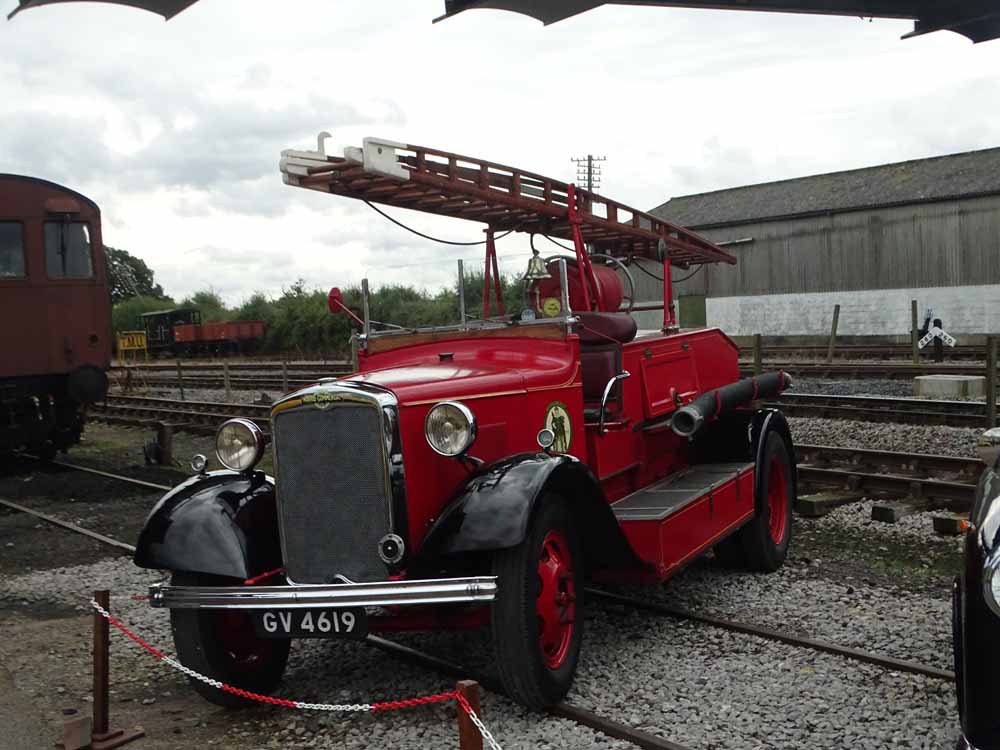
(492, 510)
(763, 423)
(222, 523)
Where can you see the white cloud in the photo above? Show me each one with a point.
(175, 129)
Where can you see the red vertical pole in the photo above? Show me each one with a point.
(100, 726)
(586, 271)
(669, 318)
(497, 285)
(469, 737)
(486, 274)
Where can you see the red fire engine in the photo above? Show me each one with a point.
(479, 473)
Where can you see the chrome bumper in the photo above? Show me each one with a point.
(381, 594)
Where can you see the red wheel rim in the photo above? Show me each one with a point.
(777, 501)
(246, 651)
(556, 604)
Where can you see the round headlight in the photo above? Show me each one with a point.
(450, 428)
(239, 444)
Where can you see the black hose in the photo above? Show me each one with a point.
(688, 419)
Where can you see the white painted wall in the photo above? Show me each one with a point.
(882, 312)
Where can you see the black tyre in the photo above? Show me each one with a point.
(222, 644)
(538, 613)
(729, 552)
(957, 641)
(765, 539)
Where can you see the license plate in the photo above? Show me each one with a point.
(311, 623)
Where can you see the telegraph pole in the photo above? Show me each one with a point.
(588, 170)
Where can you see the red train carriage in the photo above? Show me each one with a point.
(55, 313)
(480, 473)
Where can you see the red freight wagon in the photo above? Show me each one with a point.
(187, 333)
(55, 313)
(182, 332)
(479, 473)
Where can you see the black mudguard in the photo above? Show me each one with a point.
(492, 510)
(764, 422)
(221, 523)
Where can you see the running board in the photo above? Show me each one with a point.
(679, 517)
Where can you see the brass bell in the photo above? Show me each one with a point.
(536, 268)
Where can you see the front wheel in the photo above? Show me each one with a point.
(223, 645)
(537, 615)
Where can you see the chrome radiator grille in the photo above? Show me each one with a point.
(332, 494)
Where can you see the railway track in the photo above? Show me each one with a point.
(267, 375)
(860, 351)
(332, 367)
(865, 370)
(882, 409)
(195, 417)
(949, 480)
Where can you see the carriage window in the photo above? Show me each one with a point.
(11, 250)
(67, 250)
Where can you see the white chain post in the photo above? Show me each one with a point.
(494, 745)
(490, 740)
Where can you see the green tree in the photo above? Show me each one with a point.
(255, 307)
(129, 276)
(209, 303)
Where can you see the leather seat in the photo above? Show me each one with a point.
(605, 328)
(598, 364)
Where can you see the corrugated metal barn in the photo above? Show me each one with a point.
(869, 239)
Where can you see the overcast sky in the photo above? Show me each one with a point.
(175, 128)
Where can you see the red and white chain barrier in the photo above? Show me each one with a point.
(248, 695)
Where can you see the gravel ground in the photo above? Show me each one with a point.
(693, 684)
(849, 580)
(863, 387)
(866, 387)
(932, 439)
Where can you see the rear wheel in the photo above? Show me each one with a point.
(223, 645)
(537, 615)
(766, 538)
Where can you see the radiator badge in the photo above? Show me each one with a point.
(322, 400)
(557, 420)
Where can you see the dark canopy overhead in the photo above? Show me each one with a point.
(166, 8)
(979, 20)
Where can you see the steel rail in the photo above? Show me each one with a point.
(236, 383)
(859, 458)
(70, 526)
(862, 351)
(109, 475)
(814, 644)
(882, 409)
(866, 370)
(330, 368)
(585, 717)
(240, 410)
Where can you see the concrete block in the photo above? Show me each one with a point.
(951, 524)
(950, 386)
(892, 511)
(822, 503)
(76, 734)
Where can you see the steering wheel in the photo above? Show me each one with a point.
(628, 300)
